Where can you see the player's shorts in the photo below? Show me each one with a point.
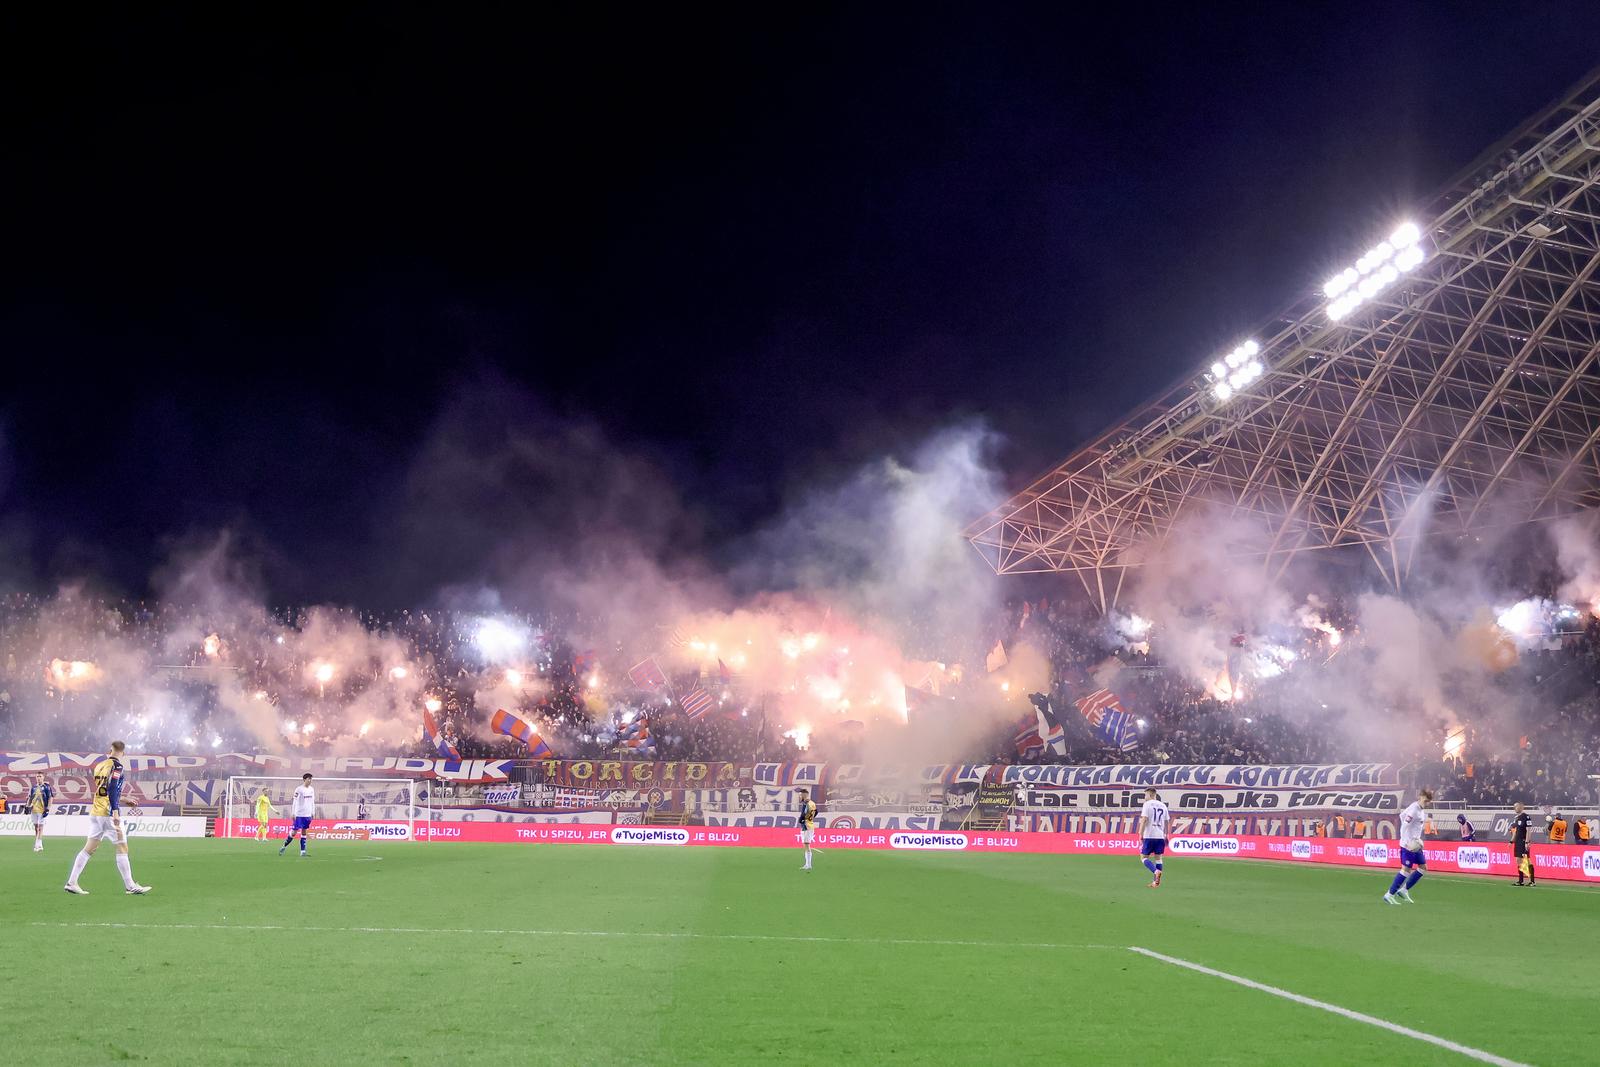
(301, 822)
(263, 823)
(38, 819)
(1519, 848)
(104, 828)
(1408, 858)
(806, 835)
(1152, 846)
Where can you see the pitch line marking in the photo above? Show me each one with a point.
(650, 934)
(1360, 1017)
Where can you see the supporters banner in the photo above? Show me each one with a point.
(1223, 799)
(676, 775)
(226, 763)
(76, 787)
(1078, 822)
(1252, 776)
(499, 815)
(795, 774)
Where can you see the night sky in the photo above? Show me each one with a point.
(255, 258)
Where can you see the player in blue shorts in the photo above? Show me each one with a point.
(1153, 819)
(1413, 859)
(302, 808)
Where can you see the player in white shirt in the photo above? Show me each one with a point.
(1413, 858)
(1153, 819)
(302, 808)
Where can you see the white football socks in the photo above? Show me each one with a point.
(125, 870)
(77, 866)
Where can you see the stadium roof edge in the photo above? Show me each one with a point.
(1562, 135)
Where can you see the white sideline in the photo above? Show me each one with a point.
(656, 934)
(1360, 1017)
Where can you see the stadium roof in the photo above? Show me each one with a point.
(1445, 383)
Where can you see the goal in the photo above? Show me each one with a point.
(353, 809)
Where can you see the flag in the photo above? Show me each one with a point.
(439, 743)
(1051, 734)
(918, 699)
(724, 672)
(1108, 720)
(696, 702)
(503, 722)
(1029, 744)
(678, 638)
(1027, 610)
(647, 674)
(635, 736)
(997, 657)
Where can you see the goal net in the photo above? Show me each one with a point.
(352, 809)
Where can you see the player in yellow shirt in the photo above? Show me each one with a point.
(105, 823)
(808, 824)
(39, 796)
(264, 812)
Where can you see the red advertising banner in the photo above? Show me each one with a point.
(1574, 863)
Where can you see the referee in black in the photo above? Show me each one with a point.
(1519, 846)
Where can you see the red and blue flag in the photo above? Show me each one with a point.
(647, 674)
(696, 702)
(438, 741)
(503, 722)
(1108, 719)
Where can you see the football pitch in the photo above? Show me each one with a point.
(398, 954)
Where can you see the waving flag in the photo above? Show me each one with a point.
(696, 702)
(996, 658)
(1029, 744)
(647, 674)
(635, 737)
(1109, 721)
(723, 672)
(503, 722)
(1050, 731)
(440, 743)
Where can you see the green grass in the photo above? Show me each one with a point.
(598, 955)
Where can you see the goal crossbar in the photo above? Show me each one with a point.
(365, 808)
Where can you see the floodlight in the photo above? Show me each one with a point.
(1377, 269)
(1407, 235)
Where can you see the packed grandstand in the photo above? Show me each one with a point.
(218, 696)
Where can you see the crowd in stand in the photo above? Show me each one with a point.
(72, 667)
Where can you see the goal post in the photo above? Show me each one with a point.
(363, 809)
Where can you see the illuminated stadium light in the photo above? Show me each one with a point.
(1379, 268)
(1236, 370)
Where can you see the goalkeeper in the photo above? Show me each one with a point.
(264, 812)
